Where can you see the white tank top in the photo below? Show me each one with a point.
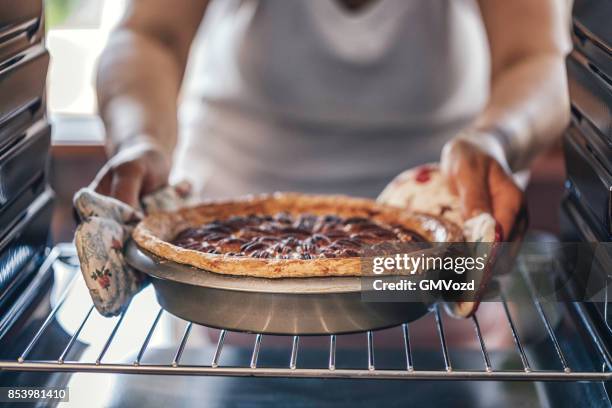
(303, 95)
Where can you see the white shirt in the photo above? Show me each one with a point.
(304, 95)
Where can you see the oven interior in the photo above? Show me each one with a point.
(562, 347)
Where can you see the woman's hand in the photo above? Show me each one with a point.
(133, 172)
(483, 185)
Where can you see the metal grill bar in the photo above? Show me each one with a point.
(47, 321)
(407, 349)
(606, 305)
(440, 327)
(483, 347)
(256, 348)
(147, 339)
(111, 337)
(308, 372)
(217, 356)
(544, 318)
(179, 351)
(515, 336)
(75, 336)
(410, 373)
(294, 351)
(584, 320)
(371, 365)
(332, 352)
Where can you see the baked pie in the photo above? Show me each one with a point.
(285, 235)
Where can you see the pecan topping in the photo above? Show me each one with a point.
(285, 236)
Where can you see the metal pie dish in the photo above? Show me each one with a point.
(285, 306)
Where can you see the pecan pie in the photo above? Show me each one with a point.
(284, 234)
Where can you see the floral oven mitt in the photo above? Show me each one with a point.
(105, 225)
(424, 189)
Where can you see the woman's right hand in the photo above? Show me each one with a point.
(133, 172)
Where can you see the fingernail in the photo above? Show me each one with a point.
(183, 188)
(499, 232)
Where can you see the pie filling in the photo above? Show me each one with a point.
(284, 236)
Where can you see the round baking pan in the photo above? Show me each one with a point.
(300, 306)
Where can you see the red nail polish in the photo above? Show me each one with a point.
(499, 232)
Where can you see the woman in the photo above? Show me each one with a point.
(333, 96)
(336, 96)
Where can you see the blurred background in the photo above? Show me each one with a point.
(77, 31)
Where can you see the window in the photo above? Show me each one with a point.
(77, 31)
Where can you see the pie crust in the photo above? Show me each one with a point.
(155, 232)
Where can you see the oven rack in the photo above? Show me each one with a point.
(292, 369)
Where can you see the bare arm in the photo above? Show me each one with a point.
(529, 100)
(528, 107)
(139, 78)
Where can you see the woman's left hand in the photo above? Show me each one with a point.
(482, 185)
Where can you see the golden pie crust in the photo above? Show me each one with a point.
(155, 232)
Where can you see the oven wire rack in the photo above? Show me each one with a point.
(410, 372)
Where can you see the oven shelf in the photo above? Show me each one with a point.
(98, 364)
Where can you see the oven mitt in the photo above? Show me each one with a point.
(105, 225)
(425, 190)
